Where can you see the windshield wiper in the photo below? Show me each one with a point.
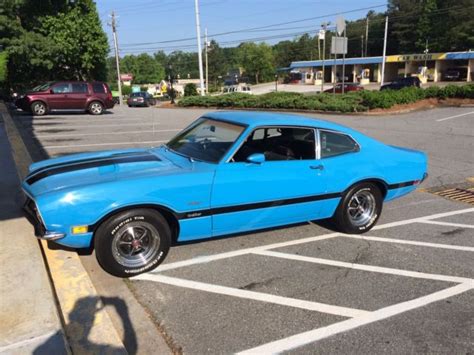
(191, 159)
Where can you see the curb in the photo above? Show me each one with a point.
(85, 320)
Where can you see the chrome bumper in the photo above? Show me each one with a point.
(51, 235)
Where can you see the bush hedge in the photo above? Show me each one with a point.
(350, 102)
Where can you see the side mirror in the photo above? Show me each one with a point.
(256, 158)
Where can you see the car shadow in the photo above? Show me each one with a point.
(79, 327)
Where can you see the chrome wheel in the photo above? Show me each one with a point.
(135, 244)
(96, 108)
(362, 207)
(39, 109)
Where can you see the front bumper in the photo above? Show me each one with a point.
(34, 217)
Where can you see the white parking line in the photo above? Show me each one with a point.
(104, 133)
(363, 267)
(230, 254)
(460, 225)
(410, 242)
(99, 144)
(255, 296)
(450, 117)
(206, 259)
(117, 124)
(311, 336)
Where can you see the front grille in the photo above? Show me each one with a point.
(32, 214)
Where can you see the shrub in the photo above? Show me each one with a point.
(350, 102)
(190, 90)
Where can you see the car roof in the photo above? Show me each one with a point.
(259, 118)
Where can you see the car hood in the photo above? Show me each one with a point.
(76, 170)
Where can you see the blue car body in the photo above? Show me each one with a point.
(212, 199)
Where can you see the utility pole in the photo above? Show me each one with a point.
(207, 65)
(324, 25)
(384, 50)
(198, 36)
(114, 31)
(366, 34)
(362, 45)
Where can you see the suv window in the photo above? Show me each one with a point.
(98, 88)
(333, 144)
(279, 143)
(80, 88)
(62, 88)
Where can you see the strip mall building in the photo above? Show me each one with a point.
(434, 67)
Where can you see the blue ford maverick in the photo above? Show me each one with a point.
(228, 172)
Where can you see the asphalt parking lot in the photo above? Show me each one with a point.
(404, 287)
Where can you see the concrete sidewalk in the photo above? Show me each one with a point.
(29, 315)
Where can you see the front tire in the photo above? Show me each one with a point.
(359, 209)
(96, 108)
(132, 242)
(38, 108)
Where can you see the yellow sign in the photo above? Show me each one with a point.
(415, 57)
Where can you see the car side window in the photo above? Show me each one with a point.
(79, 88)
(279, 143)
(333, 144)
(61, 89)
(98, 88)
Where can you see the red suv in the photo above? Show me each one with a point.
(93, 97)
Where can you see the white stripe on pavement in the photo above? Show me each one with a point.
(440, 223)
(311, 336)
(103, 133)
(255, 296)
(409, 242)
(363, 267)
(99, 144)
(450, 117)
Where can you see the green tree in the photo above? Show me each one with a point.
(144, 68)
(52, 40)
(190, 90)
(257, 61)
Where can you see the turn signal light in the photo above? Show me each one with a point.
(79, 229)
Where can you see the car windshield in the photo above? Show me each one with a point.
(206, 140)
(42, 87)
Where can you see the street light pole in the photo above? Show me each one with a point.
(119, 83)
(198, 36)
(207, 65)
(384, 50)
(324, 26)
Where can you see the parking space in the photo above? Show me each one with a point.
(404, 287)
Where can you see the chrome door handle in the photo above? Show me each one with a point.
(317, 167)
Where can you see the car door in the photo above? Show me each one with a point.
(287, 187)
(77, 99)
(58, 99)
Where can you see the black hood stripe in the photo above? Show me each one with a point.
(61, 169)
(87, 160)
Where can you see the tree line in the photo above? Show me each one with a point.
(59, 39)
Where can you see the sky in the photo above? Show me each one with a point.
(142, 24)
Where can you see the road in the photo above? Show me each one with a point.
(405, 287)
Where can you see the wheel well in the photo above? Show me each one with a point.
(38, 100)
(169, 216)
(382, 185)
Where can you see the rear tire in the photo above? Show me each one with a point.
(359, 209)
(132, 242)
(38, 108)
(95, 108)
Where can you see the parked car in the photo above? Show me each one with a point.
(226, 173)
(347, 88)
(141, 98)
(401, 83)
(94, 97)
(458, 74)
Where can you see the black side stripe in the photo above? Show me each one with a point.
(402, 184)
(88, 165)
(254, 206)
(275, 203)
(87, 160)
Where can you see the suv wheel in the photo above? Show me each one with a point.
(96, 108)
(38, 108)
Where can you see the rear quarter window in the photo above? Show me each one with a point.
(333, 143)
(98, 88)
